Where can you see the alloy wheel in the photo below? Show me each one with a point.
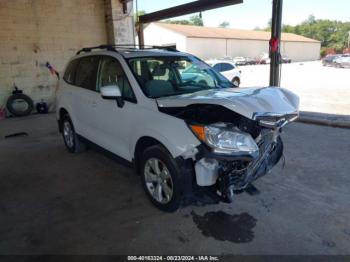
(68, 134)
(158, 180)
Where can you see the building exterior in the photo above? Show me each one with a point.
(210, 42)
(34, 32)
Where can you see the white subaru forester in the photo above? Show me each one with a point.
(181, 135)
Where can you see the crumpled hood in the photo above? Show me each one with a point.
(248, 102)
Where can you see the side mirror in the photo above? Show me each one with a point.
(112, 92)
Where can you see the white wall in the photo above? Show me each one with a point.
(206, 48)
(246, 48)
(301, 51)
(156, 35)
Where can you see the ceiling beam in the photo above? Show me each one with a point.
(185, 9)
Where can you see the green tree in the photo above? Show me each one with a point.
(139, 13)
(331, 34)
(224, 24)
(196, 20)
(193, 20)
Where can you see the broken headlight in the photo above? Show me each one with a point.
(225, 139)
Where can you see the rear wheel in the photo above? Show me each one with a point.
(70, 138)
(236, 82)
(161, 178)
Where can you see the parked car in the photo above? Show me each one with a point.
(227, 58)
(179, 135)
(264, 59)
(329, 60)
(239, 60)
(342, 62)
(286, 60)
(227, 69)
(250, 61)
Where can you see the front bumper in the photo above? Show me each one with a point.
(235, 172)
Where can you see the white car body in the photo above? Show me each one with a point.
(99, 120)
(228, 69)
(120, 125)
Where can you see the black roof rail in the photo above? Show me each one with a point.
(132, 46)
(88, 49)
(125, 46)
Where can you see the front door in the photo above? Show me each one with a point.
(112, 123)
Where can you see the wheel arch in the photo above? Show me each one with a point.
(141, 145)
(61, 112)
(238, 79)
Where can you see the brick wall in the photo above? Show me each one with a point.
(33, 32)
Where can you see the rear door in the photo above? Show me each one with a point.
(84, 95)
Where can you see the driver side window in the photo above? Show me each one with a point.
(112, 73)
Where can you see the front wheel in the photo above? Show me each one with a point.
(236, 82)
(161, 178)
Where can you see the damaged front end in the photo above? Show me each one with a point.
(234, 171)
(235, 151)
(240, 134)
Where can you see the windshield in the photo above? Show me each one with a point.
(168, 76)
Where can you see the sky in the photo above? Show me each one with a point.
(256, 13)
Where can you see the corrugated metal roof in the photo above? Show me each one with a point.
(229, 33)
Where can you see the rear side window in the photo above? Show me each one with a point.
(217, 67)
(226, 67)
(69, 75)
(87, 72)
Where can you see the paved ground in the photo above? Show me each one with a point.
(321, 89)
(54, 202)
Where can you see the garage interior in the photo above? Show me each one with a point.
(34, 33)
(53, 202)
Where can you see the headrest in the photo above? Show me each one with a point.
(157, 88)
(159, 70)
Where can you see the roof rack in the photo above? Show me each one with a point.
(89, 49)
(125, 46)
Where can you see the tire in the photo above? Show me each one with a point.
(70, 138)
(16, 112)
(168, 177)
(236, 82)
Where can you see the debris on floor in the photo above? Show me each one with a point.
(16, 134)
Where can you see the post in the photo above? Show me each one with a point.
(141, 35)
(275, 42)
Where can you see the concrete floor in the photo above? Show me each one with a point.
(54, 202)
